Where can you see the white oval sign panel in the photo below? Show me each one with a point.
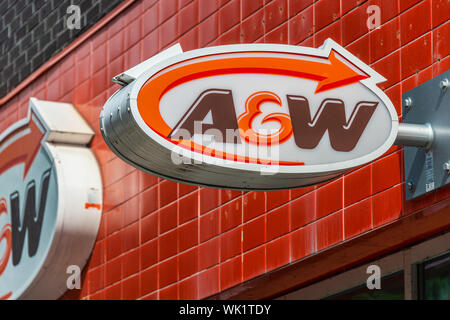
(253, 116)
(50, 202)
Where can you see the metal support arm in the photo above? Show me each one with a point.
(415, 135)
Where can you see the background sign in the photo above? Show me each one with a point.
(50, 201)
(253, 116)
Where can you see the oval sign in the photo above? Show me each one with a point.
(253, 116)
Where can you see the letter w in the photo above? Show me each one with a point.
(344, 135)
(30, 222)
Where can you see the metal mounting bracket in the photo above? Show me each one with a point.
(426, 111)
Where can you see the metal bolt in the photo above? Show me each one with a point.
(408, 103)
(447, 167)
(444, 84)
(411, 186)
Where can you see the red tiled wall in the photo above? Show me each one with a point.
(160, 239)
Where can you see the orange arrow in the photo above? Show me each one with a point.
(331, 73)
(24, 149)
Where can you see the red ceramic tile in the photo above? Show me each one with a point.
(99, 82)
(275, 13)
(188, 289)
(329, 230)
(113, 220)
(130, 288)
(354, 24)
(113, 271)
(208, 30)
(276, 198)
(184, 189)
(389, 9)
(188, 208)
(358, 218)
(230, 273)
(361, 48)
(189, 41)
(387, 206)
(348, 5)
(389, 67)
(254, 233)
(98, 254)
(149, 227)
(96, 280)
(303, 210)
(208, 282)
(113, 244)
(206, 7)
(169, 293)
(132, 183)
(253, 27)
(332, 31)
(439, 11)
(301, 26)
(208, 253)
(149, 253)
(148, 280)
(248, 7)
(303, 242)
(254, 204)
(167, 192)
(98, 58)
(394, 94)
(188, 17)
(168, 217)
(386, 172)
(441, 66)
(151, 296)
(326, 11)
(131, 237)
(188, 235)
(406, 4)
(228, 195)
(187, 263)
(130, 211)
(167, 8)
(416, 56)
(209, 199)
(229, 15)
(254, 263)
(411, 26)
(385, 39)
(130, 262)
(230, 244)
(357, 185)
(114, 292)
(232, 36)
(168, 272)
(98, 296)
(168, 32)
(441, 38)
(150, 44)
(209, 225)
(168, 244)
(297, 6)
(150, 20)
(329, 198)
(298, 192)
(277, 222)
(231, 215)
(278, 35)
(417, 79)
(278, 253)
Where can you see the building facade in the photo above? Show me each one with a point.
(160, 239)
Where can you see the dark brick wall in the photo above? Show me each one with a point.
(33, 31)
